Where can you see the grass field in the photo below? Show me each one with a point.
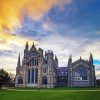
(51, 94)
(59, 88)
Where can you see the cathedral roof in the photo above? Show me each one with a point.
(80, 60)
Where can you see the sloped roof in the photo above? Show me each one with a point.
(80, 60)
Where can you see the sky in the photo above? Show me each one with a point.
(64, 26)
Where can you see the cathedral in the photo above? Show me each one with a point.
(41, 70)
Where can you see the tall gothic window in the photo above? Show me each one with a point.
(36, 78)
(28, 75)
(32, 61)
(80, 74)
(32, 75)
(35, 62)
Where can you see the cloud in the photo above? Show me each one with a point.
(7, 40)
(12, 11)
(98, 74)
(62, 46)
(30, 28)
(52, 24)
(8, 63)
(12, 15)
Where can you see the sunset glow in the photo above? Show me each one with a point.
(64, 26)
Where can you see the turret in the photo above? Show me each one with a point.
(70, 60)
(91, 59)
(80, 58)
(40, 55)
(49, 54)
(18, 63)
(56, 61)
(40, 51)
(33, 47)
(26, 50)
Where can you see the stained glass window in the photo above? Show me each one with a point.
(28, 75)
(32, 75)
(32, 61)
(80, 73)
(36, 78)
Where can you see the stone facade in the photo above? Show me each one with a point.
(81, 72)
(37, 70)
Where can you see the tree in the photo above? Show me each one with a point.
(4, 78)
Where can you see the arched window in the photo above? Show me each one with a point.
(20, 80)
(32, 76)
(36, 79)
(32, 61)
(80, 73)
(28, 75)
(44, 80)
(35, 62)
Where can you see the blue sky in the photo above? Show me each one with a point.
(66, 27)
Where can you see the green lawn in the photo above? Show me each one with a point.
(51, 94)
(59, 88)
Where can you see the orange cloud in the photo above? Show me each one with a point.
(11, 11)
(11, 15)
(37, 8)
(7, 39)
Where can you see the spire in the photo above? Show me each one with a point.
(91, 55)
(33, 43)
(80, 58)
(91, 58)
(26, 50)
(70, 56)
(56, 57)
(18, 64)
(70, 60)
(33, 47)
(56, 61)
(26, 47)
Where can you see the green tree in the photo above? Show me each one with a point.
(4, 78)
